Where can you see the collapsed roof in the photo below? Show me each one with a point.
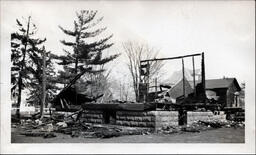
(69, 99)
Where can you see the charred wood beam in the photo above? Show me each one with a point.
(194, 81)
(203, 77)
(183, 78)
(178, 57)
(69, 85)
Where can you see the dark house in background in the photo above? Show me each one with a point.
(225, 91)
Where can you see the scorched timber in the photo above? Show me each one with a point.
(119, 107)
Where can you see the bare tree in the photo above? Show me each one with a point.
(135, 52)
(124, 91)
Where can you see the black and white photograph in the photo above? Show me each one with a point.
(127, 76)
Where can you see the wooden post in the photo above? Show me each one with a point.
(43, 83)
(183, 78)
(194, 82)
(172, 58)
(203, 78)
(155, 88)
(147, 83)
(120, 90)
(138, 98)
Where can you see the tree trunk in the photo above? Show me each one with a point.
(19, 97)
(43, 83)
(20, 75)
(76, 66)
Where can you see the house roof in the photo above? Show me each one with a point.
(177, 90)
(218, 83)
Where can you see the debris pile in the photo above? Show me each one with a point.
(169, 130)
(49, 127)
(198, 126)
(70, 124)
(88, 130)
(37, 128)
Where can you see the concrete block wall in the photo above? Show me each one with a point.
(135, 119)
(220, 116)
(151, 119)
(193, 116)
(92, 116)
(166, 118)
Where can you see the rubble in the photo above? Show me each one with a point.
(62, 124)
(49, 135)
(198, 126)
(190, 129)
(68, 124)
(213, 124)
(39, 134)
(38, 122)
(101, 131)
(49, 127)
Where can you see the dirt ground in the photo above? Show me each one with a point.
(221, 135)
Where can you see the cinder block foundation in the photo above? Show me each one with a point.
(150, 119)
(135, 119)
(204, 116)
(166, 118)
(93, 116)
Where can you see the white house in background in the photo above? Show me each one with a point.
(176, 91)
(26, 109)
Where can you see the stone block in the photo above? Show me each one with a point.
(146, 119)
(142, 124)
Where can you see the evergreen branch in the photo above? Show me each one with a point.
(92, 24)
(67, 43)
(85, 16)
(92, 34)
(95, 46)
(18, 22)
(35, 42)
(68, 32)
(105, 60)
(14, 45)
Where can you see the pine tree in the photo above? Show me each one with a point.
(25, 61)
(85, 55)
(21, 42)
(36, 69)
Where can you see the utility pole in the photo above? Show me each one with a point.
(43, 86)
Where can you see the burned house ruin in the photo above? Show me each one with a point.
(177, 105)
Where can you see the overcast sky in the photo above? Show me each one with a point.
(224, 30)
